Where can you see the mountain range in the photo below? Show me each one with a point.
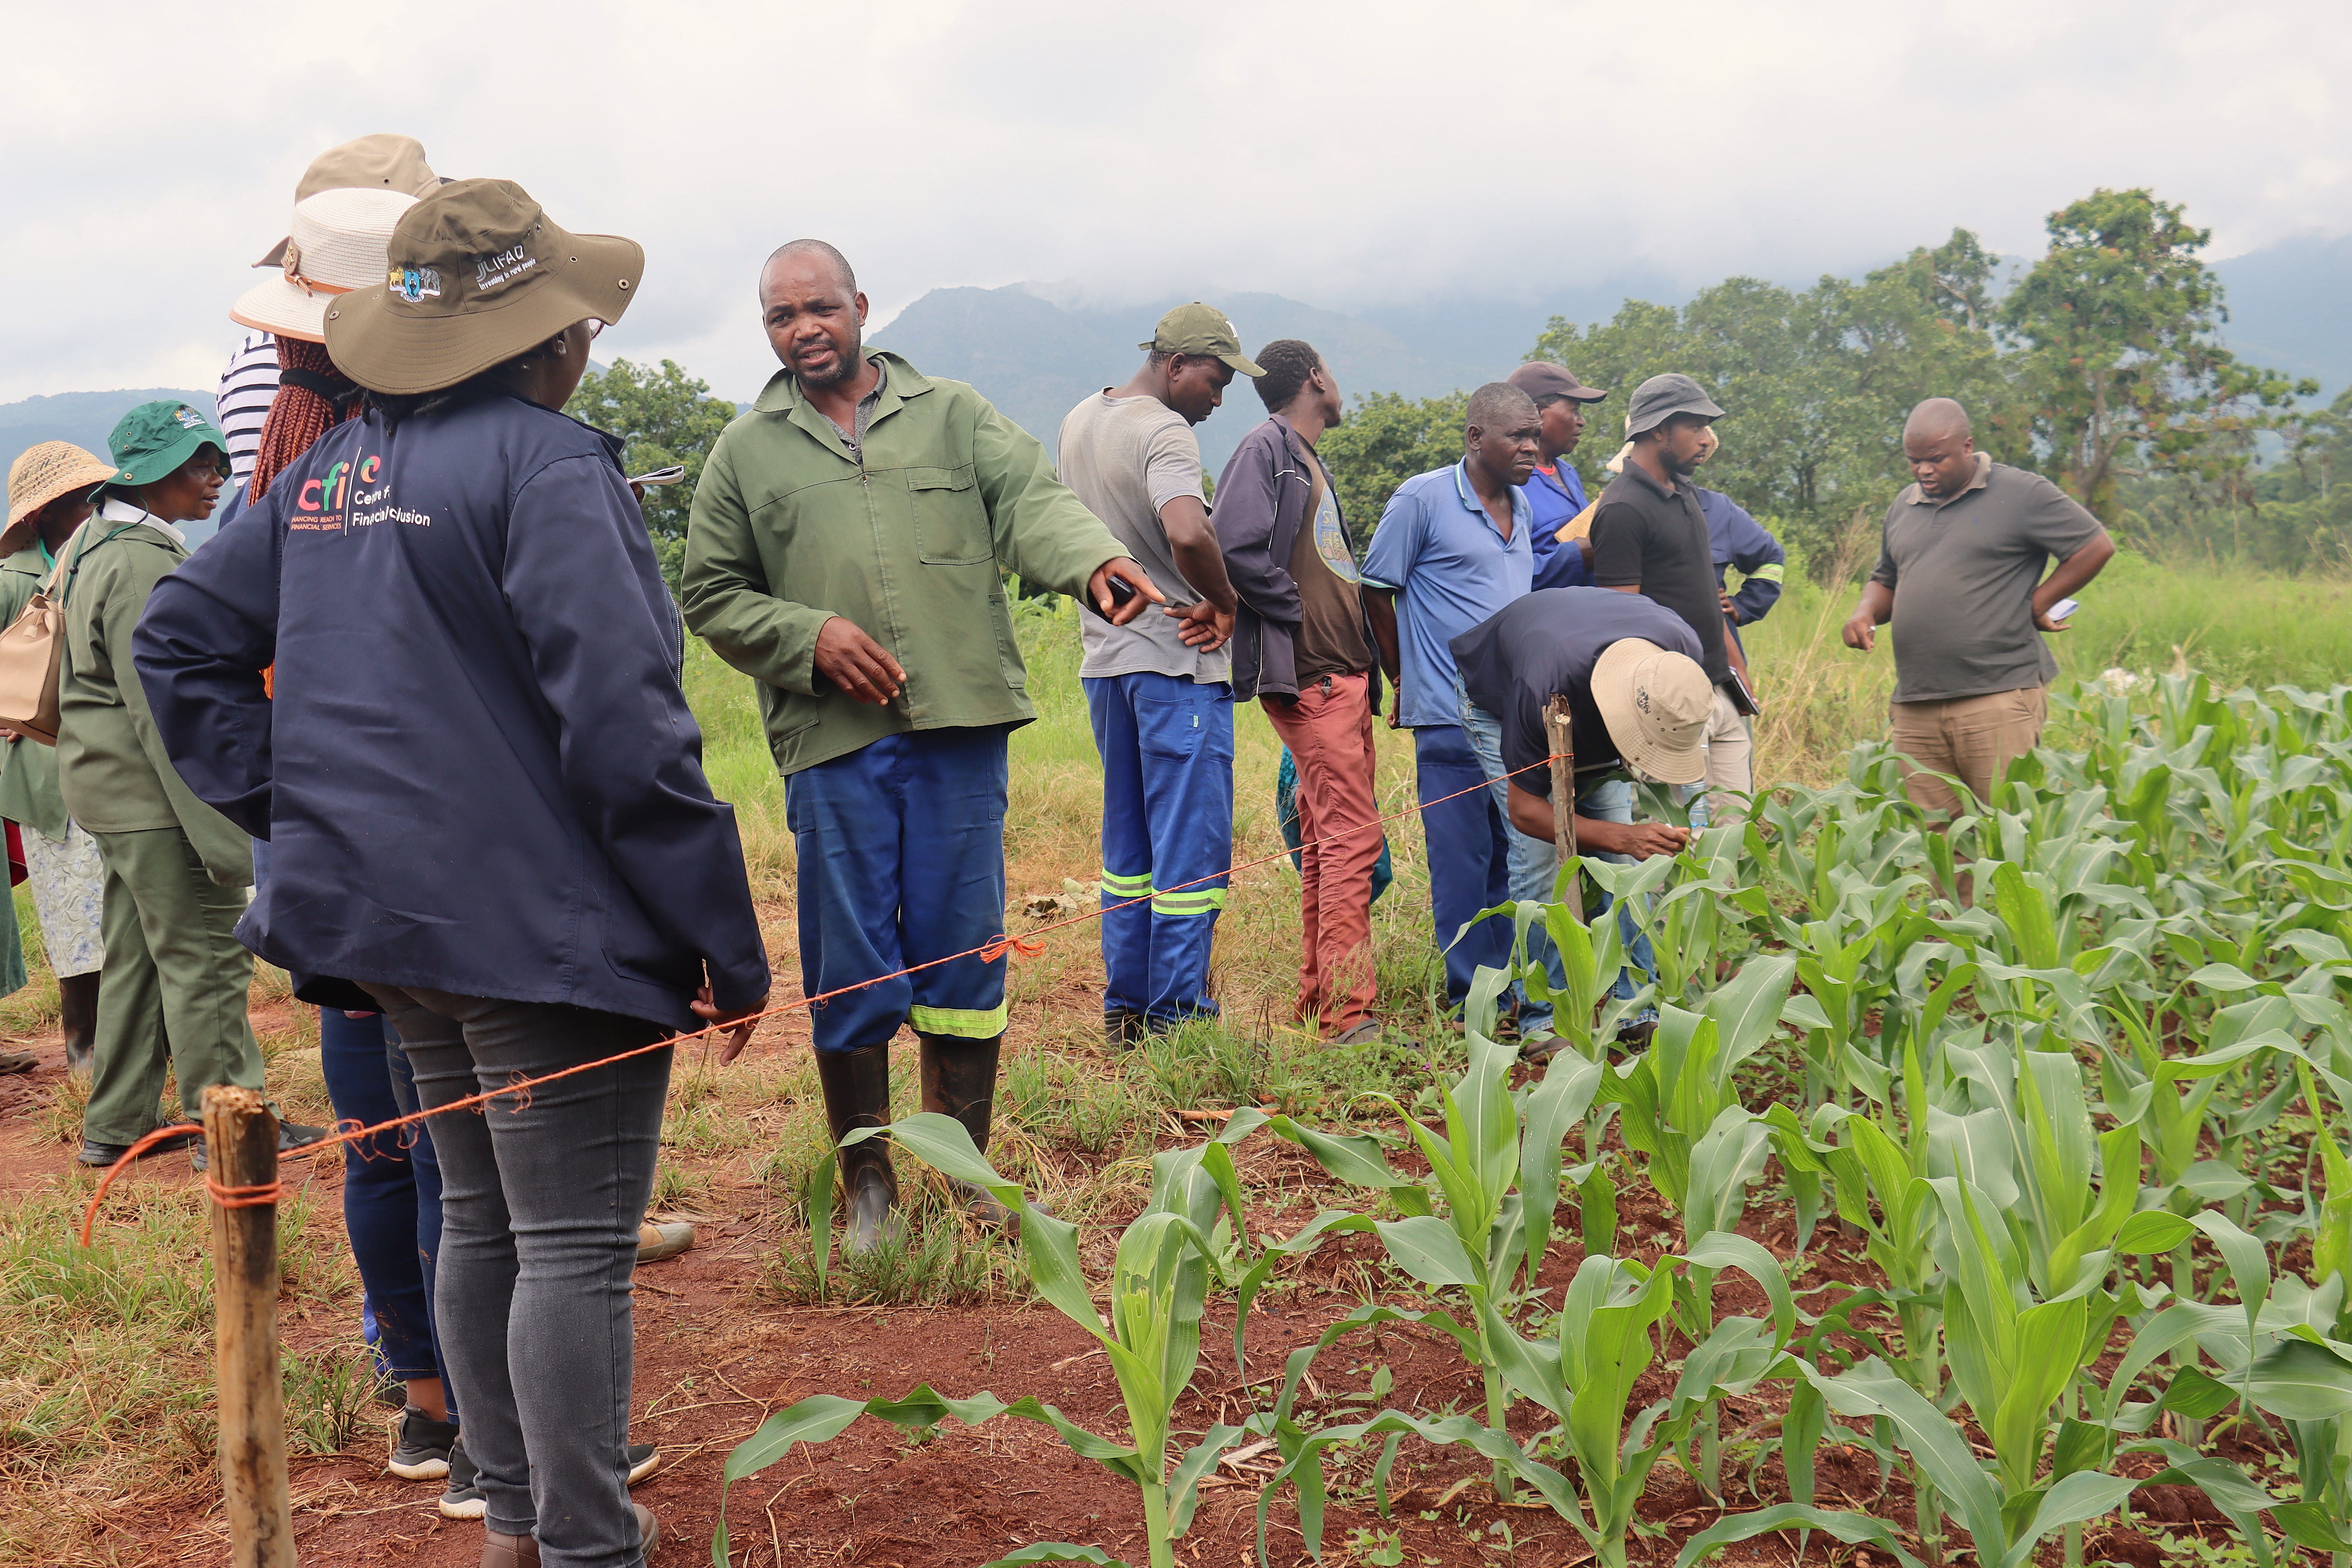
(1036, 349)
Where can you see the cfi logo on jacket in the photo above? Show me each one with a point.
(319, 505)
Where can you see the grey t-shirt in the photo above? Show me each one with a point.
(1127, 457)
(1964, 570)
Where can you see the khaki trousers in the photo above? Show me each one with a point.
(1730, 760)
(1972, 738)
(174, 987)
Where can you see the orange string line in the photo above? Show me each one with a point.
(989, 951)
(252, 1197)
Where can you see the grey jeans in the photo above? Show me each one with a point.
(540, 1207)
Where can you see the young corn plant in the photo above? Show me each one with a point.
(1152, 1333)
(1583, 1372)
(1496, 1168)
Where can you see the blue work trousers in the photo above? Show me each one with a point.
(1469, 858)
(901, 846)
(1167, 746)
(392, 1189)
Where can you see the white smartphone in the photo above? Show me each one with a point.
(2064, 607)
(671, 476)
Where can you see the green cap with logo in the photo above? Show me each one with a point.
(154, 439)
(475, 274)
(1202, 330)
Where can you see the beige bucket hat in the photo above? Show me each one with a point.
(43, 473)
(476, 273)
(1655, 704)
(383, 161)
(337, 244)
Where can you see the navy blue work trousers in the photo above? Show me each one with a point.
(901, 846)
(1469, 856)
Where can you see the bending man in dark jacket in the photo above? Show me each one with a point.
(1303, 648)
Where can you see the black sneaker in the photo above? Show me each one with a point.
(462, 1498)
(1124, 1031)
(102, 1154)
(421, 1450)
(644, 1460)
(291, 1135)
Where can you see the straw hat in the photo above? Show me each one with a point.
(477, 274)
(1656, 705)
(51, 470)
(336, 244)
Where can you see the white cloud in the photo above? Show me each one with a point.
(1349, 155)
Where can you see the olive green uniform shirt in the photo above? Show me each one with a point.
(112, 769)
(28, 769)
(907, 535)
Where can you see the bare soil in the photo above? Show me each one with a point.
(716, 1355)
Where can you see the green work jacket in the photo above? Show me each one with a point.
(28, 769)
(111, 766)
(910, 544)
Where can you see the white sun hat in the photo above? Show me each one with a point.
(1655, 703)
(337, 244)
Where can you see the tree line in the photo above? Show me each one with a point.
(2099, 364)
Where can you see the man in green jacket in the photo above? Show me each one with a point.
(175, 975)
(846, 551)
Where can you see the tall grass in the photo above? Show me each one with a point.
(2241, 627)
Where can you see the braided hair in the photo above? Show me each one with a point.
(313, 398)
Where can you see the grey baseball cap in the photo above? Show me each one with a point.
(1662, 397)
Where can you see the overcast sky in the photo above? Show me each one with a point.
(1347, 155)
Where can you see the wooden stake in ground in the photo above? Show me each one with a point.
(241, 1137)
(1558, 731)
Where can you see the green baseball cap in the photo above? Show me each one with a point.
(1203, 329)
(153, 439)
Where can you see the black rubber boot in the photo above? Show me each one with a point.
(960, 1080)
(857, 1094)
(78, 1016)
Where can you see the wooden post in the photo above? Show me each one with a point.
(1560, 731)
(241, 1136)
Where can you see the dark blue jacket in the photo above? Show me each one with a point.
(1740, 540)
(479, 774)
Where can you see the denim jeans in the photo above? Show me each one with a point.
(1535, 862)
(541, 1202)
(392, 1189)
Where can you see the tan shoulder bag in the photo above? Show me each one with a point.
(31, 650)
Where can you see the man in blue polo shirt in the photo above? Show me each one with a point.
(1452, 548)
(1556, 491)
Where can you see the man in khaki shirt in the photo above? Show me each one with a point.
(1960, 576)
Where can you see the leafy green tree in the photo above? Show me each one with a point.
(2117, 327)
(1815, 383)
(1385, 441)
(666, 417)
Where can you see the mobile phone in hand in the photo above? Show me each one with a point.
(1121, 591)
(2063, 608)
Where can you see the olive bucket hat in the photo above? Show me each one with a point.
(475, 275)
(154, 439)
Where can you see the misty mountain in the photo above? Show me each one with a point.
(2288, 307)
(85, 418)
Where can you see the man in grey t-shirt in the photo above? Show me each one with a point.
(1961, 578)
(1160, 688)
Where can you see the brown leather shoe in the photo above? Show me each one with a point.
(509, 1551)
(522, 1550)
